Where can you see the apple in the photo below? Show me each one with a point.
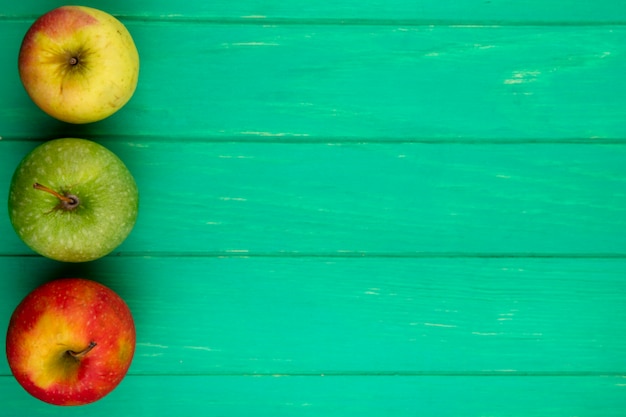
(70, 341)
(78, 64)
(72, 200)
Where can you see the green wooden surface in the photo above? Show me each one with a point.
(312, 82)
(357, 208)
(377, 11)
(390, 199)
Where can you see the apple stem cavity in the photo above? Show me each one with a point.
(82, 353)
(68, 201)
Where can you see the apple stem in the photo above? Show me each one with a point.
(38, 186)
(82, 353)
(68, 201)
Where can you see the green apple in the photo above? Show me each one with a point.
(72, 200)
(78, 64)
(70, 341)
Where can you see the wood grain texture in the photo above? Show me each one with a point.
(392, 199)
(364, 316)
(420, 11)
(357, 208)
(340, 396)
(355, 83)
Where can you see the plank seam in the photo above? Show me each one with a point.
(345, 255)
(288, 140)
(291, 21)
(460, 374)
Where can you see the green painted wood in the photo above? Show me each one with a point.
(395, 199)
(341, 396)
(363, 316)
(355, 83)
(357, 208)
(459, 11)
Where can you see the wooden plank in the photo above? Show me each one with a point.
(390, 199)
(341, 396)
(398, 207)
(358, 316)
(459, 11)
(355, 83)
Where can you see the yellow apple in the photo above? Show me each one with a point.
(79, 64)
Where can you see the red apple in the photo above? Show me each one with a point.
(70, 341)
